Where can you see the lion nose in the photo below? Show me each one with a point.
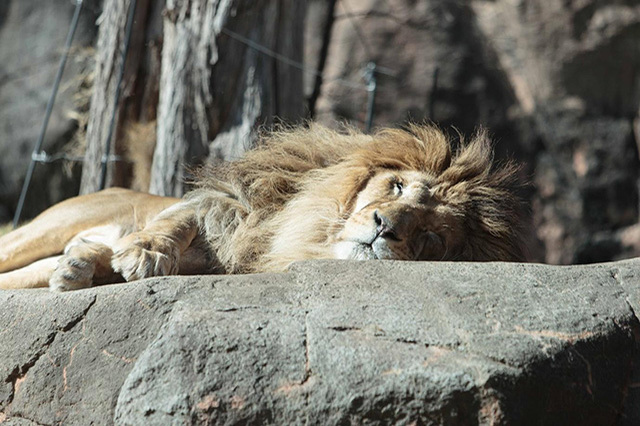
(383, 227)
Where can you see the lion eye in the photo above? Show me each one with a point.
(397, 187)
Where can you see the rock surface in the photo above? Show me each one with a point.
(331, 343)
(573, 68)
(556, 82)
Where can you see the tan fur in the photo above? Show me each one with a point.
(289, 198)
(310, 193)
(79, 225)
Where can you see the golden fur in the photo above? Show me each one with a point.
(306, 193)
(285, 200)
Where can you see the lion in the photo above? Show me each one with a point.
(303, 193)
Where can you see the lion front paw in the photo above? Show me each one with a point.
(83, 262)
(72, 274)
(142, 255)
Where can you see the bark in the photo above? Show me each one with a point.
(317, 36)
(110, 43)
(216, 90)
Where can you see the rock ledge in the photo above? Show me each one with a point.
(331, 343)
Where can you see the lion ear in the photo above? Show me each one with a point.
(498, 214)
(472, 161)
(437, 147)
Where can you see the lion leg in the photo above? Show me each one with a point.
(83, 265)
(34, 275)
(157, 249)
(50, 232)
(30, 243)
(87, 259)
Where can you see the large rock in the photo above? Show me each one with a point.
(330, 343)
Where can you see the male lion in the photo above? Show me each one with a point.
(305, 193)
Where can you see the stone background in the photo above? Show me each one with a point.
(555, 81)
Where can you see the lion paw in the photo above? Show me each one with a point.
(143, 256)
(72, 273)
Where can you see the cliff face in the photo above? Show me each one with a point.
(574, 69)
(328, 343)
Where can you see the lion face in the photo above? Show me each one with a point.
(398, 215)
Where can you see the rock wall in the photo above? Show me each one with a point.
(577, 81)
(328, 343)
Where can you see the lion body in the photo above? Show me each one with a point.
(306, 193)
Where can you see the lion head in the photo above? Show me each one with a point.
(315, 193)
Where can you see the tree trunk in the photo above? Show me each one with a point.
(110, 43)
(215, 89)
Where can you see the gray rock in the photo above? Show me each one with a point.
(330, 343)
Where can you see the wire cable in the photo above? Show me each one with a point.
(43, 157)
(49, 110)
(280, 57)
(358, 30)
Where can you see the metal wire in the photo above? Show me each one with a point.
(43, 157)
(49, 110)
(369, 73)
(107, 149)
(356, 28)
(372, 88)
(280, 57)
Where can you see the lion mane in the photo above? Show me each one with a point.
(288, 198)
